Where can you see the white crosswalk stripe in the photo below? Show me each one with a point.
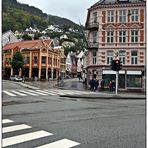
(35, 135)
(15, 128)
(44, 92)
(64, 143)
(32, 91)
(8, 93)
(18, 93)
(6, 121)
(24, 137)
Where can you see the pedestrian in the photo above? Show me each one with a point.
(110, 86)
(91, 84)
(96, 84)
(102, 84)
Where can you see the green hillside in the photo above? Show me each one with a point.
(16, 16)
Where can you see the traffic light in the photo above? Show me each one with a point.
(113, 65)
(116, 65)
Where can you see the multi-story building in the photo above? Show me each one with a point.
(41, 59)
(117, 27)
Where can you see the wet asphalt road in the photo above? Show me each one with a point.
(92, 123)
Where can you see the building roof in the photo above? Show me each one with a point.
(31, 44)
(106, 2)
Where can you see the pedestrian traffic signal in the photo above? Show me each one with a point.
(116, 65)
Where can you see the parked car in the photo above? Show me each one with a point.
(16, 78)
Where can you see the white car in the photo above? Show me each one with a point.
(16, 78)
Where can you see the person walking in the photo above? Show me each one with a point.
(110, 86)
(102, 84)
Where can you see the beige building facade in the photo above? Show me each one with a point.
(117, 27)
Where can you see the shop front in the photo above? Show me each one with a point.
(127, 79)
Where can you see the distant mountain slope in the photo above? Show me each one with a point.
(17, 16)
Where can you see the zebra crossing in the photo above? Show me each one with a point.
(34, 135)
(44, 92)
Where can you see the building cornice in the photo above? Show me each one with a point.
(143, 4)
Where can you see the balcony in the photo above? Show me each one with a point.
(93, 45)
(92, 26)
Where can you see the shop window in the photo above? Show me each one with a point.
(134, 81)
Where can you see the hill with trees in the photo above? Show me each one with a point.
(17, 16)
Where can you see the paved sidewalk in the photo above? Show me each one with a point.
(97, 95)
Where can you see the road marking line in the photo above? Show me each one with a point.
(55, 92)
(6, 121)
(18, 93)
(45, 92)
(15, 128)
(64, 143)
(8, 93)
(25, 137)
(50, 92)
(37, 92)
(28, 92)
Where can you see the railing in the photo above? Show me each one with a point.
(93, 45)
(94, 25)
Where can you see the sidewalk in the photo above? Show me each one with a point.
(98, 95)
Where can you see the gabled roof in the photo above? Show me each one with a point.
(31, 44)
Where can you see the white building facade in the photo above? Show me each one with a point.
(117, 26)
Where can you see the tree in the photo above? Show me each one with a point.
(17, 62)
(26, 37)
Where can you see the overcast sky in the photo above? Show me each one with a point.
(75, 10)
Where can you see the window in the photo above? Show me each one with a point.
(95, 17)
(110, 16)
(109, 57)
(43, 60)
(28, 60)
(94, 57)
(134, 15)
(122, 36)
(134, 57)
(134, 81)
(35, 60)
(134, 36)
(94, 35)
(122, 16)
(49, 60)
(110, 37)
(122, 56)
